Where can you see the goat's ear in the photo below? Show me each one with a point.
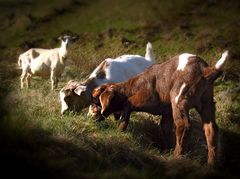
(70, 82)
(97, 91)
(74, 37)
(105, 99)
(60, 38)
(80, 90)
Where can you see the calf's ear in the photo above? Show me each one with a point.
(105, 99)
(80, 90)
(97, 91)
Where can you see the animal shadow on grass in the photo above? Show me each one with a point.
(36, 153)
(149, 131)
(229, 152)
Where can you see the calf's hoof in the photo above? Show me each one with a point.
(178, 152)
(122, 127)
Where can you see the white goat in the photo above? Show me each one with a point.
(44, 62)
(76, 96)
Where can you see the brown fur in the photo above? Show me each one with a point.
(155, 91)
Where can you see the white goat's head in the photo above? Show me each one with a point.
(66, 39)
(72, 97)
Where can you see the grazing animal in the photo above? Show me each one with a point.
(75, 96)
(44, 62)
(169, 89)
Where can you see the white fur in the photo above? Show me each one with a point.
(64, 105)
(29, 54)
(180, 92)
(49, 62)
(124, 67)
(183, 60)
(221, 61)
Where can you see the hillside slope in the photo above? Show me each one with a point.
(37, 142)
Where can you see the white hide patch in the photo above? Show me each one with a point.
(183, 60)
(125, 67)
(64, 105)
(180, 92)
(121, 68)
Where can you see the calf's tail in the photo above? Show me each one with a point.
(212, 73)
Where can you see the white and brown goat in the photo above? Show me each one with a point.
(169, 89)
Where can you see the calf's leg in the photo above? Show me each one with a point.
(124, 120)
(53, 79)
(182, 124)
(22, 78)
(166, 124)
(210, 128)
(28, 78)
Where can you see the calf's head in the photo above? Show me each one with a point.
(72, 97)
(105, 100)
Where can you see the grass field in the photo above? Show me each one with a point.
(37, 142)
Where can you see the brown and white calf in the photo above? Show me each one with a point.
(169, 89)
(75, 96)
